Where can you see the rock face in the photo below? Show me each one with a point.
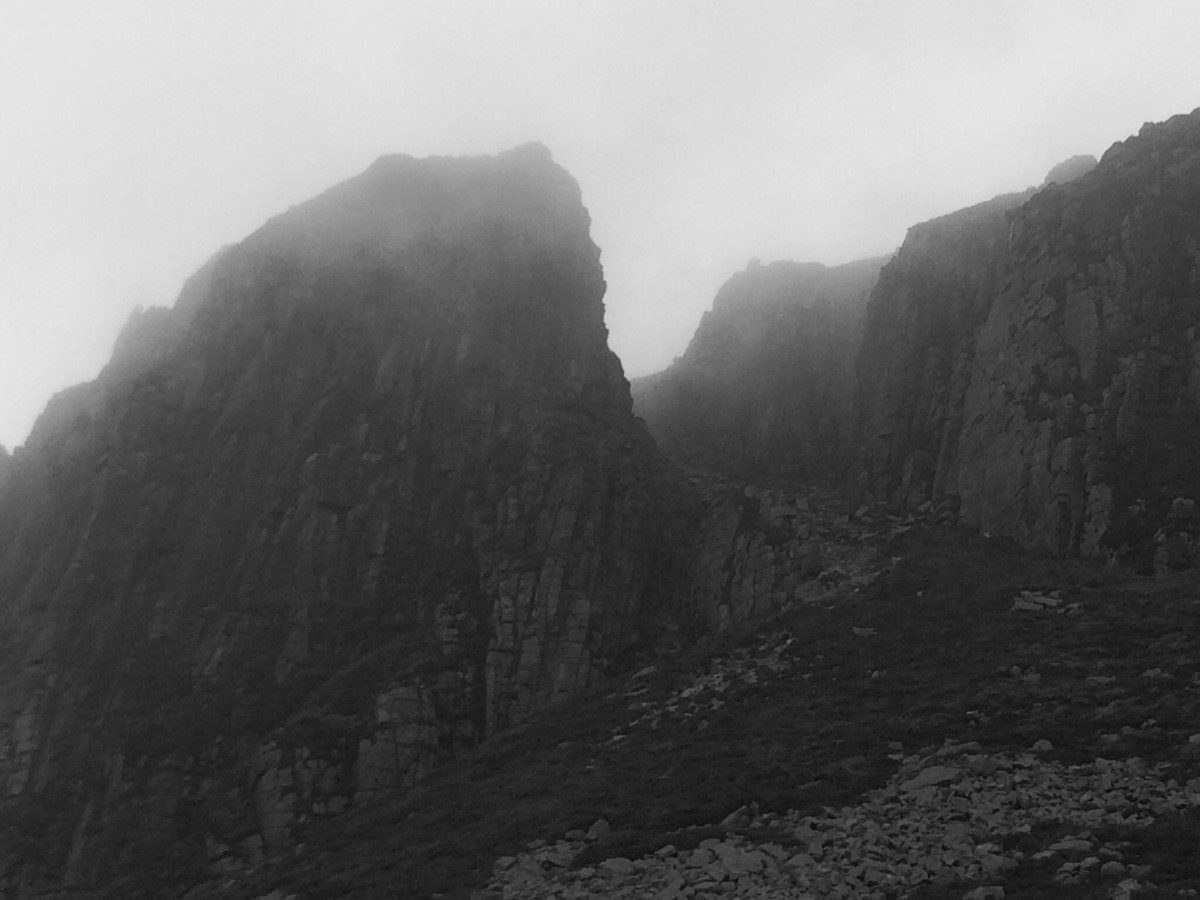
(917, 349)
(370, 492)
(766, 387)
(1037, 356)
(751, 552)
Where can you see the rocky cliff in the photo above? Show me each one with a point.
(1036, 358)
(372, 491)
(917, 349)
(765, 390)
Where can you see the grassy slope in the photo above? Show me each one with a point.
(939, 666)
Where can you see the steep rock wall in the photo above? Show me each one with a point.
(765, 390)
(1042, 362)
(918, 347)
(370, 492)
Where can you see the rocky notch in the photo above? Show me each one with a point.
(370, 492)
(765, 390)
(1038, 358)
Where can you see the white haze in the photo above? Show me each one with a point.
(139, 137)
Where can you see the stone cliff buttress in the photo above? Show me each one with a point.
(370, 492)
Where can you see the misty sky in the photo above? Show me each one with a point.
(138, 137)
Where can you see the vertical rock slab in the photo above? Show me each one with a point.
(918, 347)
(1036, 356)
(370, 492)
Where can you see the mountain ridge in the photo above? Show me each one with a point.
(340, 537)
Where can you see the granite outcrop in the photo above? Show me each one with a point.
(765, 389)
(1070, 169)
(370, 492)
(1036, 359)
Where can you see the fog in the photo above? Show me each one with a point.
(141, 137)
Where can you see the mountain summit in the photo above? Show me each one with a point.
(766, 387)
(370, 492)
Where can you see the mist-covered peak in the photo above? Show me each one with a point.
(143, 340)
(400, 199)
(1070, 169)
(766, 385)
(781, 281)
(787, 283)
(1177, 134)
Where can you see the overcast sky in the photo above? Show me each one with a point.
(138, 137)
